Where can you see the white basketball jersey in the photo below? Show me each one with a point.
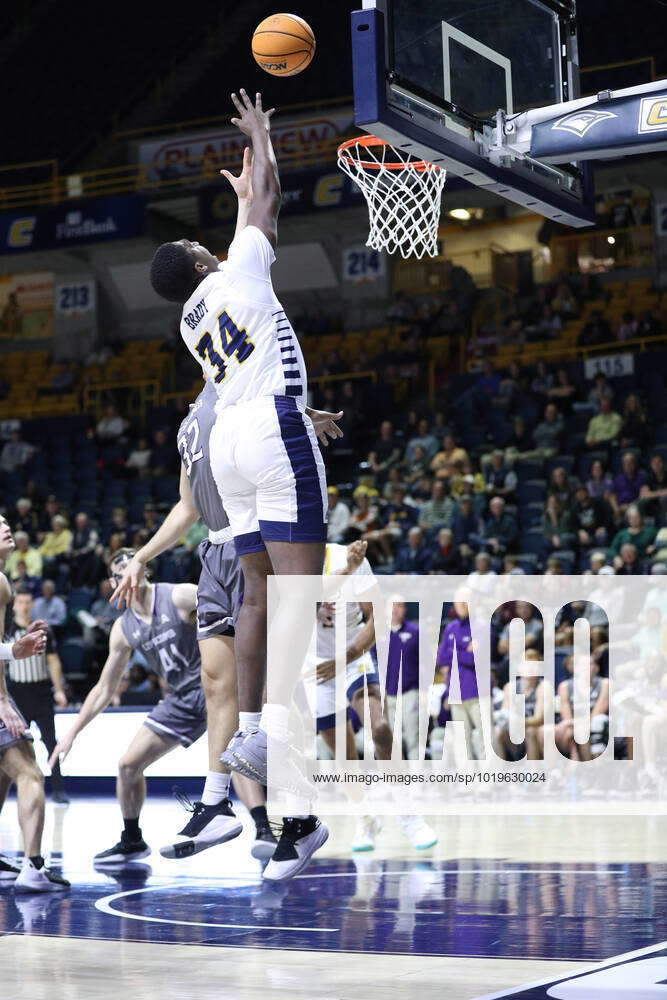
(335, 561)
(235, 327)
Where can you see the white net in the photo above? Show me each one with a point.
(403, 196)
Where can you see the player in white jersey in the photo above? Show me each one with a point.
(17, 757)
(362, 680)
(264, 453)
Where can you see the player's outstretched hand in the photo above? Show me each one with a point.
(11, 719)
(243, 183)
(60, 751)
(356, 551)
(127, 589)
(253, 119)
(325, 424)
(32, 643)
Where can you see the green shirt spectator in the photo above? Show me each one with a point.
(605, 426)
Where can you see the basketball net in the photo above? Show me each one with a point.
(403, 195)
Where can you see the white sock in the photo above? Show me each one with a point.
(216, 788)
(274, 722)
(248, 720)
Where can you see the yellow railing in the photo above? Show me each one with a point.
(138, 177)
(141, 393)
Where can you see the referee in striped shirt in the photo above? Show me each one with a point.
(35, 684)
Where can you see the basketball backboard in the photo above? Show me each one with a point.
(430, 76)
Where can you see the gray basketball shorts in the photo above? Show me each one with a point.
(180, 717)
(220, 589)
(6, 738)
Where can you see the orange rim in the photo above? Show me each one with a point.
(372, 140)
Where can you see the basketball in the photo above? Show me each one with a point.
(283, 44)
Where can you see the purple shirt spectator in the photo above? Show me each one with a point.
(627, 487)
(458, 634)
(403, 658)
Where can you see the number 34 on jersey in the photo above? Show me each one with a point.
(226, 342)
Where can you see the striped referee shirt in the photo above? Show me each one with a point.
(33, 668)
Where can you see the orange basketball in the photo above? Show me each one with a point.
(283, 44)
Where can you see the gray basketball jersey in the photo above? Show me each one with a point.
(193, 444)
(596, 686)
(168, 643)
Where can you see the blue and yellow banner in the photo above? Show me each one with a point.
(98, 220)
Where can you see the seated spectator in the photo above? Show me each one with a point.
(557, 525)
(151, 520)
(592, 518)
(533, 626)
(634, 432)
(487, 383)
(653, 494)
(119, 525)
(600, 483)
(467, 526)
(86, 567)
(51, 508)
(139, 687)
(596, 331)
(424, 439)
(501, 481)
(49, 607)
(561, 486)
(499, 531)
(394, 478)
(511, 567)
(629, 327)
(25, 553)
(446, 557)
(57, 543)
(547, 435)
(414, 558)
(461, 286)
(520, 442)
(553, 567)
(450, 452)
(483, 576)
(15, 453)
(396, 517)
(636, 533)
(439, 511)
(401, 309)
(386, 451)
(627, 484)
(598, 565)
(138, 460)
(596, 692)
(365, 514)
(605, 426)
(164, 457)
(25, 518)
(25, 584)
(339, 516)
(563, 391)
(195, 534)
(418, 466)
(116, 542)
(112, 426)
(600, 390)
(627, 563)
(542, 382)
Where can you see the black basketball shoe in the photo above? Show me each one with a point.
(298, 842)
(123, 852)
(209, 825)
(265, 843)
(9, 870)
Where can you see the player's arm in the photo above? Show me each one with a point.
(8, 715)
(177, 522)
(100, 696)
(184, 596)
(255, 123)
(243, 189)
(55, 668)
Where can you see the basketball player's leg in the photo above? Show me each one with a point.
(146, 747)
(18, 765)
(381, 732)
